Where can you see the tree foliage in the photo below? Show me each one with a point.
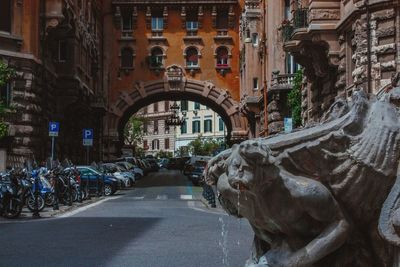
(294, 98)
(204, 146)
(6, 74)
(164, 154)
(133, 132)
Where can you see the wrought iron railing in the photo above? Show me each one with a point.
(300, 18)
(287, 31)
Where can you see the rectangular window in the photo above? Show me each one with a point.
(196, 105)
(195, 126)
(145, 127)
(127, 20)
(192, 25)
(166, 106)
(222, 19)
(255, 83)
(155, 128)
(5, 15)
(221, 125)
(208, 126)
(5, 94)
(157, 23)
(155, 107)
(254, 39)
(62, 51)
(166, 143)
(145, 146)
(184, 127)
(184, 105)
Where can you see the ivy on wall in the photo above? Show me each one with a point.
(6, 74)
(294, 99)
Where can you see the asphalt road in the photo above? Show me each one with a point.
(160, 223)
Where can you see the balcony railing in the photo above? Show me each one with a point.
(281, 81)
(300, 18)
(287, 31)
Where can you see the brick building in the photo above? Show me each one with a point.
(54, 46)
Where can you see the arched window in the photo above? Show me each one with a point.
(222, 57)
(156, 59)
(126, 58)
(192, 57)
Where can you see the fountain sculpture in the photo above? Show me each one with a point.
(327, 195)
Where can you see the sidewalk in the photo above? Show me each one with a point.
(48, 212)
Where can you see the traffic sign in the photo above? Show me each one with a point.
(288, 124)
(88, 137)
(54, 128)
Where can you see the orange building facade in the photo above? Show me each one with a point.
(171, 50)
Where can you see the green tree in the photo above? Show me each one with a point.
(294, 98)
(6, 74)
(164, 154)
(204, 147)
(133, 132)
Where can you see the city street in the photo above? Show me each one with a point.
(162, 222)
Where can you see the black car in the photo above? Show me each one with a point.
(195, 174)
(154, 167)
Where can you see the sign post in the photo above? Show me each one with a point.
(88, 142)
(54, 128)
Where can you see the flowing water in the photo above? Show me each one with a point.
(223, 243)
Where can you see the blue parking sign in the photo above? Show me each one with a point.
(54, 128)
(88, 137)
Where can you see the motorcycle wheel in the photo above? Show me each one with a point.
(30, 202)
(13, 209)
(49, 199)
(74, 195)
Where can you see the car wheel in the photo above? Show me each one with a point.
(128, 183)
(108, 191)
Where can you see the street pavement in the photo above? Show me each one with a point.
(162, 222)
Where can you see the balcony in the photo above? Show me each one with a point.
(297, 27)
(281, 82)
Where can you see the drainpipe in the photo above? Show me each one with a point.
(264, 42)
(369, 66)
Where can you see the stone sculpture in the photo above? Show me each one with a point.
(324, 196)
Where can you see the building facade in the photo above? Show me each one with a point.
(172, 50)
(341, 46)
(158, 136)
(54, 46)
(200, 121)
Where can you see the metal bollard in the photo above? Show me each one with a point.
(69, 191)
(88, 188)
(36, 211)
(55, 204)
(97, 186)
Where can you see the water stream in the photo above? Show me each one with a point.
(223, 243)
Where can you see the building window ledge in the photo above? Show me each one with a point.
(14, 40)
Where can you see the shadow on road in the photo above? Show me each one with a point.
(77, 241)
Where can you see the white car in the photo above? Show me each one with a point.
(132, 168)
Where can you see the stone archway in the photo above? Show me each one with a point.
(173, 86)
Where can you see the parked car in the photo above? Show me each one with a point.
(113, 169)
(144, 166)
(163, 163)
(195, 174)
(177, 163)
(189, 164)
(138, 172)
(153, 164)
(91, 177)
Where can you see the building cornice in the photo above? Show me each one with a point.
(174, 2)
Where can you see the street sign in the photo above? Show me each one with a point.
(288, 123)
(54, 128)
(88, 137)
